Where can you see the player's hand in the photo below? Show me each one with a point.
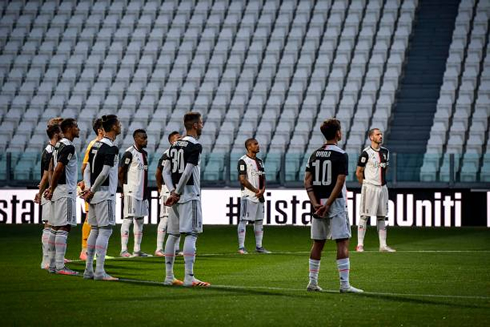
(37, 198)
(87, 195)
(81, 185)
(322, 211)
(48, 194)
(172, 199)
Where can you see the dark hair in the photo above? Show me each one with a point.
(67, 123)
(52, 130)
(248, 142)
(330, 127)
(96, 125)
(190, 119)
(108, 121)
(371, 131)
(139, 130)
(172, 134)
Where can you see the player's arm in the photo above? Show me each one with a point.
(124, 166)
(43, 184)
(184, 178)
(242, 176)
(65, 155)
(308, 183)
(108, 163)
(84, 165)
(86, 176)
(361, 164)
(339, 184)
(159, 172)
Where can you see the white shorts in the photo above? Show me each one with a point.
(47, 208)
(250, 210)
(134, 208)
(63, 212)
(185, 218)
(374, 200)
(164, 210)
(102, 214)
(335, 228)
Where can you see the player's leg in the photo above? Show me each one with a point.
(45, 246)
(125, 226)
(319, 233)
(363, 219)
(341, 232)
(242, 231)
(191, 225)
(138, 236)
(259, 227)
(106, 218)
(172, 239)
(85, 234)
(91, 242)
(52, 249)
(161, 232)
(65, 215)
(381, 220)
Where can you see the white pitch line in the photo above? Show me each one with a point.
(270, 288)
(303, 252)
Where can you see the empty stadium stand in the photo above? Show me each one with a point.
(270, 69)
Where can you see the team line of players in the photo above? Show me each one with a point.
(178, 182)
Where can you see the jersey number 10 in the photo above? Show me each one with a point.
(323, 172)
(177, 156)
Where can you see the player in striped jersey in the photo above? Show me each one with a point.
(163, 195)
(101, 185)
(133, 176)
(371, 173)
(99, 132)
(325, 176)
(54, 134)
(62, 193)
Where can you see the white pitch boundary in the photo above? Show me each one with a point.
(300, 252)
(270, 288)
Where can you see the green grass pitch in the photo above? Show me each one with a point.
(438, 277)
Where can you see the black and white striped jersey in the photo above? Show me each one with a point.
(375, 163)
(104, 152)
(135, 163)
(65, 153)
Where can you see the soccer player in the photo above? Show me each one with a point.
(371, 174)
(163, 194)
(325, 175)
(54, 134)
(182, 174)
(62, 193)
(99, 132)
(251, 175)
(133, 176)
(101, 185)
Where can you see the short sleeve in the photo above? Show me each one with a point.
(111, 156)
(242, 167)
(363, 159)
(65, 154)
(126, 159)
(344, 164)
(308, 164)
(87, 152)
(45, 160)
(195, 154)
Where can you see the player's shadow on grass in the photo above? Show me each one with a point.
(237, 291)
(407, 299)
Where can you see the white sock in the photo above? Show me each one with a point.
(361, 230)
(161, 232)
(101, 249)
(259, 232)
(314, 270)
(343, 266)
(52, 248)
(45, 246)
(381, 225)
(177, 245)
(60, 245)
(126, 224)
(138, 233)
(189, 256)
(91, 241)
(242, 230)
(170, 255)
